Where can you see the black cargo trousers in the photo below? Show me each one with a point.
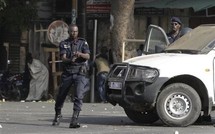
(81, 86)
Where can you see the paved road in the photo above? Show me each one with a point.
(96, 118)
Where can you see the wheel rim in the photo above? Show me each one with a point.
(178, 105)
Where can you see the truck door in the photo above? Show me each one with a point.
(156, 40)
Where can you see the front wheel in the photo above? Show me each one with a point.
(178, 105)
(146, 117)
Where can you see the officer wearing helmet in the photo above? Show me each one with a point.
(74, 53)
(176, 26)
(177, 30)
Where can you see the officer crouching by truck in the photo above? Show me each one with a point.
(74, 53)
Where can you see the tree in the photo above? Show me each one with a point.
(17, 14)
(2, 4)
(123, 26)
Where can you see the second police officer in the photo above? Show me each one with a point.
(74, 53)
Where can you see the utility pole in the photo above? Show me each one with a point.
(82, 15)
(74, 12)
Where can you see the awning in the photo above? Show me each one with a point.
(197, 5)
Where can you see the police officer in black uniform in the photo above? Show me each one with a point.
(74, 53)
(176, 26)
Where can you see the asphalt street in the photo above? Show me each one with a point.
(95, 118)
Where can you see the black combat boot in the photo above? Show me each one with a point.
(57, 118)
(74, 121)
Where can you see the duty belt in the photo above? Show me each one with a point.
(76, 68)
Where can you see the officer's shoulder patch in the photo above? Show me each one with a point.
(82, 39)
(86, 43)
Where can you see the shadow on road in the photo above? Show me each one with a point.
(95, 120)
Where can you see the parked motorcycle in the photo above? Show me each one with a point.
(18, 81)
(9, 86)
(14, 87)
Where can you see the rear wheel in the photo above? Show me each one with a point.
(178, 105)
(1, 93)
(146, 117)
(15, 93)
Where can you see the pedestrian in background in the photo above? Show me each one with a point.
(74, 53)
(176, 26)
(38, 87)
(103, 66)
(140, 50)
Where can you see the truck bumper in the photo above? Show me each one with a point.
(138, 96)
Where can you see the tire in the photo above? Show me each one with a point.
(178, 105)
(142, 117)
(1, 95)
(15, 93)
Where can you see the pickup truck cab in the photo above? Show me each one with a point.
(172, 82)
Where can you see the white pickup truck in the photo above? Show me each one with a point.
(174, 83)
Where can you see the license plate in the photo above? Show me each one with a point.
(115, 85)
(18, 83)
